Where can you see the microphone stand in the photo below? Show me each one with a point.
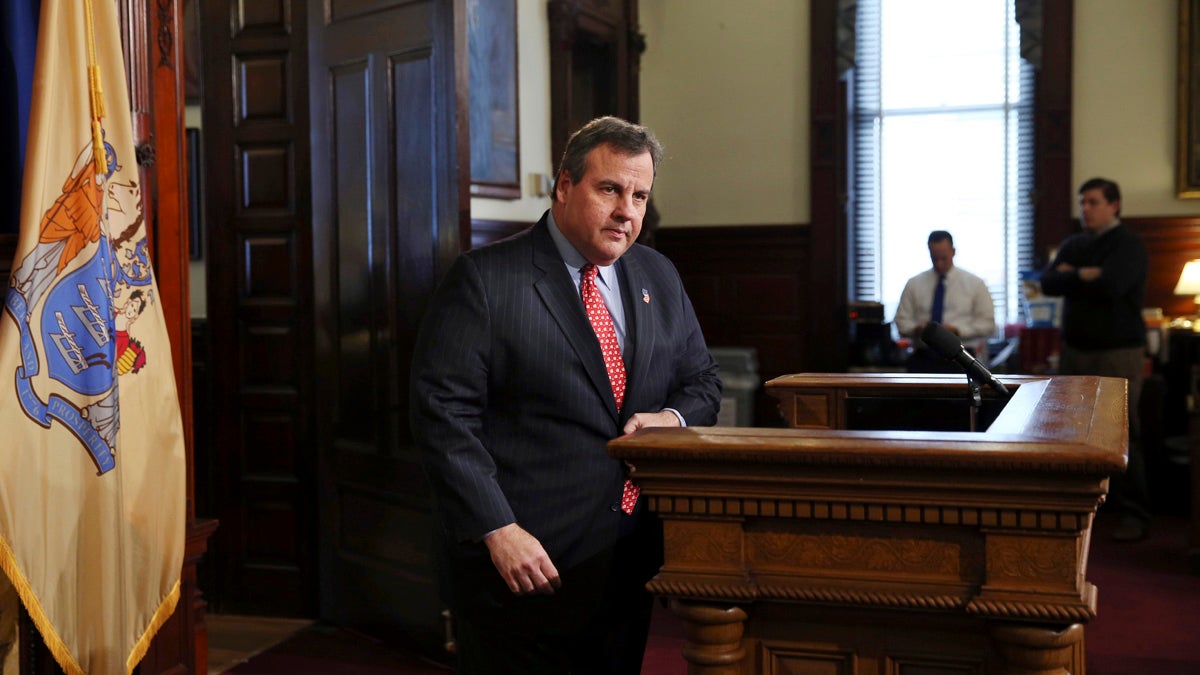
(974, 397)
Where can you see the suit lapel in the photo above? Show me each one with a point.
(557, 291)
(639, 342)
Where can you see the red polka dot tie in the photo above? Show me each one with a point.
(607, 335)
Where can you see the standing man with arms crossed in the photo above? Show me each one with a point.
(1101, 275)
(949, 295)
(546, 547)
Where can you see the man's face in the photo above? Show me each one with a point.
(1096, 212)
(941, 253)
(601, 215)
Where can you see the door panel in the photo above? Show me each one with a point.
(386, 181)
(259, 292)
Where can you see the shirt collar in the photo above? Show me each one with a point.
(572, 257)
(1107, 228)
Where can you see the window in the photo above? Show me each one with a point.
(941, 127)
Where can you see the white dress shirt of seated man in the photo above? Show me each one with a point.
(968, 310)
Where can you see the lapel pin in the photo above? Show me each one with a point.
(645, 296)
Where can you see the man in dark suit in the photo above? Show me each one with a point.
(514, 404)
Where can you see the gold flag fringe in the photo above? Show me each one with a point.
(164, 612)
(54, 643)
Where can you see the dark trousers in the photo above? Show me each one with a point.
(597, 623)
(1128, 491)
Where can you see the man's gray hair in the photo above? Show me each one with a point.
(625, 137)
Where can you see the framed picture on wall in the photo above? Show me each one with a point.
(1188, 172)
(495, 148)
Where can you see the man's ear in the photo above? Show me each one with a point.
(561, 184)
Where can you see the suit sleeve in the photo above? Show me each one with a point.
(449, 394)
(697, 391)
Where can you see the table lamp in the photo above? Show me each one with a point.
(1189, 280)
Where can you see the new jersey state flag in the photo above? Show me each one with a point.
(92, 468)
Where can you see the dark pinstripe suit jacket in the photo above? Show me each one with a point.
(512, 408)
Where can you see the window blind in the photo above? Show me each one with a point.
(941, 116)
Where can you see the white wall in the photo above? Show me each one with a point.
(724, 85)
(1125, 64)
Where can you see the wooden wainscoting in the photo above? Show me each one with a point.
(747, 284)
(1170, 241)
(487, 231)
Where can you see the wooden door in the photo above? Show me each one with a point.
(389, 186)
(595, 60)
(260, 314)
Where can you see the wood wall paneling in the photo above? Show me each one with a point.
(487, 231)
(749, 286)
(1170, 242)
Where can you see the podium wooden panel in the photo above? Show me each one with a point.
(841, 546)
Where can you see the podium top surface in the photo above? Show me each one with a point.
(1069, 424)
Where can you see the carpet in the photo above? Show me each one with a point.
(1144, 621)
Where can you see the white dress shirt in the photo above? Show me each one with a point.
(967, 306)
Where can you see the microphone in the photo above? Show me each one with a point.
(943, 342)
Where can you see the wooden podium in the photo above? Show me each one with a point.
(842, 545)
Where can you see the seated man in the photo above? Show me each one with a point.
(949, 295)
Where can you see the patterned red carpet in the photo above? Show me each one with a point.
(1145, 624)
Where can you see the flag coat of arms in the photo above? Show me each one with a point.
(92, 487)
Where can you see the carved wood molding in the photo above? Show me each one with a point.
(1030, 557)
(166, 34)
(1056, 613)
(873, 512)
(751, 592)
(940, 602)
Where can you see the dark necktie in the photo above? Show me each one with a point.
(607, 335)
(939, 299)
